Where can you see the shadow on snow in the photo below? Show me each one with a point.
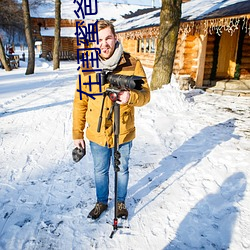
(213, 229)
(190, 153)
(23, 110)
(209, 225)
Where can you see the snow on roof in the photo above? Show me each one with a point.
(145, 20)
(106, 10)
(65, 32)
(197, 9)
(192, 10)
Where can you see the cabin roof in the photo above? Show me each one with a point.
(194, 10)
(105, 10)
(208, 9)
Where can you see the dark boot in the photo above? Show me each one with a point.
(122, 211)
(97, 210)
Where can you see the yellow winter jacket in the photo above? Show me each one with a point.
(88, 110)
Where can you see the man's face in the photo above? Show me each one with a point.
(107, 42)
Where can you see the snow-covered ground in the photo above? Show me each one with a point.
(189, 170)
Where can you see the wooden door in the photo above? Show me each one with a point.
(227, 55)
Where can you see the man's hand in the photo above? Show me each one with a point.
(79, 143)
(123, 97)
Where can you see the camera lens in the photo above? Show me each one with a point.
(113, 96)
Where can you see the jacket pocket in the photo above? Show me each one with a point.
(127, 120)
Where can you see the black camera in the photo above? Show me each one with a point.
(121, 81)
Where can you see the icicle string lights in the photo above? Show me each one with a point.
(246, 25)
(218, 25)
(206, 26)
(151, 32)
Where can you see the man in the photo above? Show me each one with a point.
(112, 58)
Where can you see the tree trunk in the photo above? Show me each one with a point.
(168, 34)
(29, 38)
(56, 59)
(3, 57)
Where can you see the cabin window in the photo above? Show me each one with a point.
(152, 45)
(146, 45)
(139, 45)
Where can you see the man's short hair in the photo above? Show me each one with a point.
(103, 24)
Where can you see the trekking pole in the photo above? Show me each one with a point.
(117, 156)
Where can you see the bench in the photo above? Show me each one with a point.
(63, 55)
(13, 61)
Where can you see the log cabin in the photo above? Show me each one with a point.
(43, 30)
(213, 42)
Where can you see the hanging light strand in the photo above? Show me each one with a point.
(218, 25)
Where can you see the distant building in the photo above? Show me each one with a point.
(43, 20)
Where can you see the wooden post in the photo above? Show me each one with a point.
(201, 60)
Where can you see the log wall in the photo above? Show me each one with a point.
(186, 56)
(67, 44)
(209, 57)
(178, 62)
(245, 61)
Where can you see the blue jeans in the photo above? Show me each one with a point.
(102, 158)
